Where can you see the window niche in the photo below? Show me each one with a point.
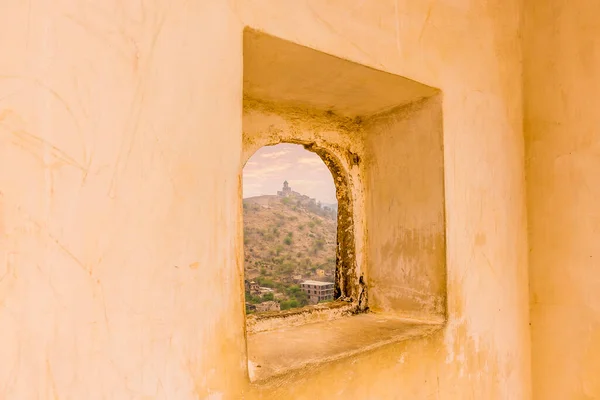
(381, 136)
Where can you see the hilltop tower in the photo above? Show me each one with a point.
(286, 191)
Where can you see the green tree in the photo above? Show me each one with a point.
(287, 268)
(293, 290)
(302, 298)
(268, 296)
(252, 299)
(266, 282)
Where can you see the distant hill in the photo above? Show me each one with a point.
(287, 239)
(333, 206)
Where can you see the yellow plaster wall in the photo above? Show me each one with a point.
(404, 169)
(471, 51)
(562, 127)
(119, 154)
(120, 147)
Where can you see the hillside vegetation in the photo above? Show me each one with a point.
(286, 240)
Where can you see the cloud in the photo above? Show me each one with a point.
(303, 182)
(265, 171)
(311, 161)
(276, 154)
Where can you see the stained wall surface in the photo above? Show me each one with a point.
(120, 150)
(119, 154)
(404, 166)
(471, 52)
(562, 127)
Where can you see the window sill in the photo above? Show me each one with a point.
(277, 352)
(272, 320)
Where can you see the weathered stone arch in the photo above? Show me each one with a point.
(347, 286)
(331, 138)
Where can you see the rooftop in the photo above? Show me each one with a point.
(318, 283)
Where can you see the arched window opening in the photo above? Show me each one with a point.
(290, 229)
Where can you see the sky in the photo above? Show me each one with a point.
(306, 173)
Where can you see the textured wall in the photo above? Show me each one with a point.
(562, 126)
(120, 145)
(471, 51)
(404, 167)
(119, 159)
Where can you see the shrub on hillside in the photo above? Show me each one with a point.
(268, 297)
(266, 282)
(285, 305)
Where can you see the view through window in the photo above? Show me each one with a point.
(290, 229)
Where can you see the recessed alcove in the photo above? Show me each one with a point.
(384, 135)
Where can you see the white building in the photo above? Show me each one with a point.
(318, 291)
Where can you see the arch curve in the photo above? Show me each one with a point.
(348, 287)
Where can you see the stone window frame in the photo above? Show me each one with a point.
(344, 164)
(347, 287)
